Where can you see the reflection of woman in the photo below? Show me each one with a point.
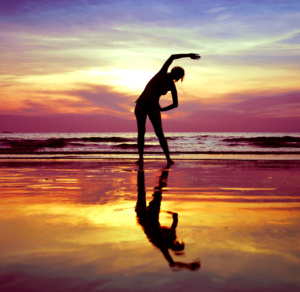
(163, 238)
(147, 103)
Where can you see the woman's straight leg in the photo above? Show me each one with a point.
(155, 118)
(141, 117)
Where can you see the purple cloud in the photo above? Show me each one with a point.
(276, 113)
(271, 105)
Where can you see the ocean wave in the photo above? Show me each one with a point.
(132, 146)
(15, 144)
(110, 143)
(103, 139)
(269, 142)
(32, 145)
(151, 139)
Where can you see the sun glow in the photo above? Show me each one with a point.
(125, 80)
(135, 80)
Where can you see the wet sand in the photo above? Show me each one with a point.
(88, 226)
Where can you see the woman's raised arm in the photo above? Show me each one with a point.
(167, 64)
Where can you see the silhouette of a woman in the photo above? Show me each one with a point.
(164, 238)
(148, 102)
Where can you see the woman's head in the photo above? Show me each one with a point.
(178, 247)
(177, 73)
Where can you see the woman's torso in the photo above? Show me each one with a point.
(159, 85)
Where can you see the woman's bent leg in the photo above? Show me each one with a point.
(141, 117)
(155, 118)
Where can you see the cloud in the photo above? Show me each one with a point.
(19, 7)
(214, 10)
(87, 98)
(223, 17)
(227, 121)
(252, 104)
(66, 123)
(281, 105)
(30, 98)
(238, 111)
(104, 97)
(293, 39)
(75, 34)
(253, 115)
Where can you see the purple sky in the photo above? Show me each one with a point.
(80, 65)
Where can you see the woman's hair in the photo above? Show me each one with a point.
(178, 72)
(178, 247)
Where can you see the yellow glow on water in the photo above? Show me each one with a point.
(229, 218)
(249, 189)
(50, 186)
(211, 188)
(96, 225)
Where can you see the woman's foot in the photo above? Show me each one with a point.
(170, 162)
(140, 162)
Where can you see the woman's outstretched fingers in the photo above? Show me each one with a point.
(195, 56)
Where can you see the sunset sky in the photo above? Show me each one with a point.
(79, 65)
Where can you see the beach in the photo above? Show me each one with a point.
(106, 225)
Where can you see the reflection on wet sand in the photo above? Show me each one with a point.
(164, 238)
(72, 226)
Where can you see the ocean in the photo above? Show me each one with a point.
(240, 146)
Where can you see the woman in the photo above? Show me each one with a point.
(148, 103)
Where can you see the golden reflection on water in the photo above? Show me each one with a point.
(63, 219)
(187, 189)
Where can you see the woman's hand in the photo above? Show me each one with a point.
(194, 56)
